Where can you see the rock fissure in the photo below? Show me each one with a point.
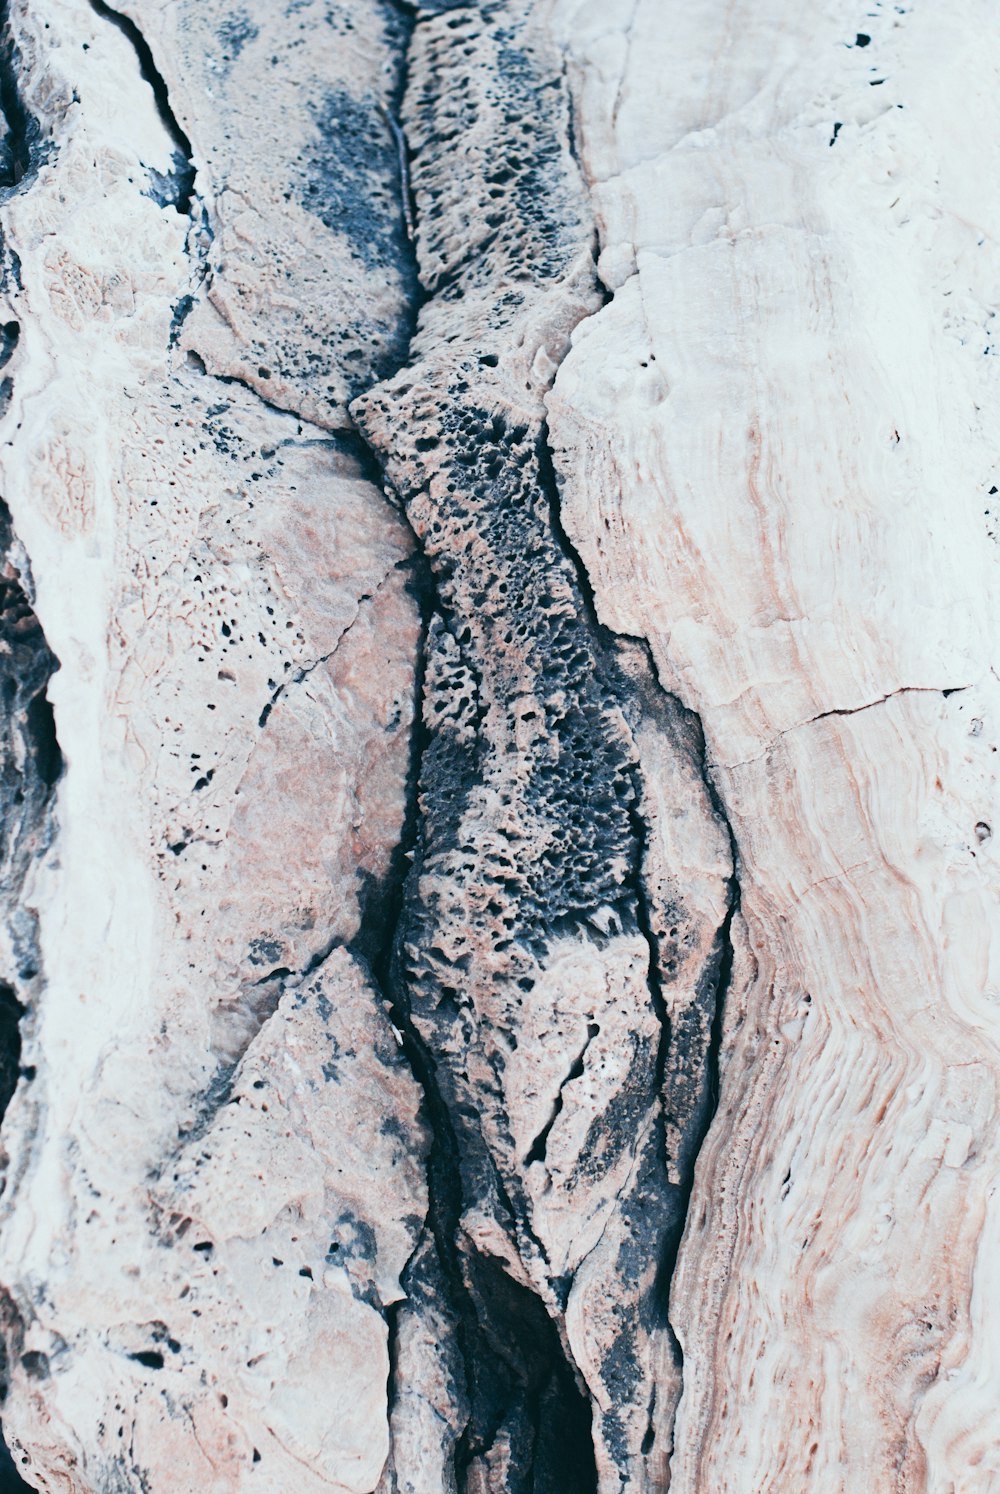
(31, 761)
(176, 188)
(697, 1123)
(471, 468)
(869, 705)
(306, 670)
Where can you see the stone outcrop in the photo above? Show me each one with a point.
(775, 468)
(496, 886)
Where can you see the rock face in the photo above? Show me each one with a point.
(497, 747)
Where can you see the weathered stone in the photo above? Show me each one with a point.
(775, 447)
(229, 595)
(495, 968)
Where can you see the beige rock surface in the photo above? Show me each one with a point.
(288, 114)
(775, 462)
(498, 741)
(218, 1103)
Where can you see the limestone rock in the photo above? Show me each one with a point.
(497, 748)
(775, 466)
(228, 594)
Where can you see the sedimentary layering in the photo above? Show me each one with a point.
(776, 467)
(498, 748)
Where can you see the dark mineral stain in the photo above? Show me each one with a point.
(234, 34)
(350, 178)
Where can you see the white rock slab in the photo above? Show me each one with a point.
(776, 452)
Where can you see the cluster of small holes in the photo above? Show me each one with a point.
(490, 169)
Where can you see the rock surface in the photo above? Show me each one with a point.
(775, 467)
(497, 748)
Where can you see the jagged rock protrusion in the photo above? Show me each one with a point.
(527, 959)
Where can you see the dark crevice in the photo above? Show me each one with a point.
(506, 1340)
(903, 690)
(518, 1383)
(21, 149)
(345, 440)
(306, 670)
(537, 1150)
(701, 1118)
(174, 188)
(30, 760)
(11, 1012)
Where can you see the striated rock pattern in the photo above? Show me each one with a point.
(777, 462)
(497, 748)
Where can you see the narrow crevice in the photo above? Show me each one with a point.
(31, 762)
(487, 1360)
(518, 1381)
(196, 363)
(11, 1012)
(837, 711)
(306, 670)
(700, 1123)
(870, 705)
(22, 149)
(536, 1152)
(509, 1356)
(176, 187)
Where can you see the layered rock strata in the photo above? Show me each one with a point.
(777, 463)
(496, 749)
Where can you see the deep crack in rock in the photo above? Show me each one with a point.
(528, 824)
(175, 188)
(521, 685)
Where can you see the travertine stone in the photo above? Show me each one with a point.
(498, 989)
(775, 446)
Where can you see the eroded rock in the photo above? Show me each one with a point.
(217, 1084)
(540, 938)
(775, 465)
(424, 904)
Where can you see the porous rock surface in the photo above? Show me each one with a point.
(496, 887)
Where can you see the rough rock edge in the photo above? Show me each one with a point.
(30, 759)
(372, 943)
(441, 276)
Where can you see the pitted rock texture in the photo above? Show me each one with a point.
(210, 1083)
(497, 748)
(539, 954)
(288, 112)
